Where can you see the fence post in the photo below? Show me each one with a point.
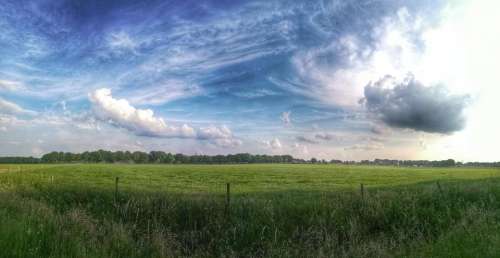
(116, 188)
(228, 197)
(439, 188)
(362, 190)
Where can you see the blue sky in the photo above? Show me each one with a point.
(326, 79)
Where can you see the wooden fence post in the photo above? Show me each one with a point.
(439, 188)
(228, 197)
(362, 190)
(116, 188)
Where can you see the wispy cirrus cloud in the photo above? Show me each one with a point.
(11, 108)
(163, 92)
(8, 85)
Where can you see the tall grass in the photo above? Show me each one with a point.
(40, 217)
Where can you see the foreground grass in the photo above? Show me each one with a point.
(275, 211)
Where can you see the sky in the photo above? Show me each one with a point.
(331, 79)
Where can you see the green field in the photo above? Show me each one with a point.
(273, 211)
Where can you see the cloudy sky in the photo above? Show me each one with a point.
(343, 79)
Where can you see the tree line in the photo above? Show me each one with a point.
(160, 157)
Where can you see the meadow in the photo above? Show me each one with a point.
(273, 210)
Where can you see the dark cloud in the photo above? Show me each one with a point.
(378, 130)
(305, 139)
(325, 136)
(317, 138)
(409, 104)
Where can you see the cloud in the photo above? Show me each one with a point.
(273, 144)
(163, 92)
(305, 139)
(409, 104)
(325, 136)
(302, 149)
(140, 121)
(379, 130)
(317, 138)
(10, 85)
(120, 41)
(365, 147)
(143, 122)
(285, 117)
(336, 71)
(7, 107)
(214, 132)
(258, 93)
(227, 142)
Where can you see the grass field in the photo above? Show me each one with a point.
(273, 211)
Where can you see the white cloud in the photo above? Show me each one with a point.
(227, 142)
(394, 52)
(37, 151)
(143, 122)
(140, 121)
(164, 92)
(10, 85)
(7, 107)
(285, 117)
(274, 144)
(212, 132)
(258, 93)
(121, 41)
(300, 149)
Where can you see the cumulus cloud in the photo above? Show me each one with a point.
(275, 144)
(140, 121)
(7, 107)
(272, 144)
(221, 136)
(227, 142)
(302, 149)
(285, 117)
(409, 104)
(143, 122)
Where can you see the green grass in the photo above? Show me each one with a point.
(275, 211)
